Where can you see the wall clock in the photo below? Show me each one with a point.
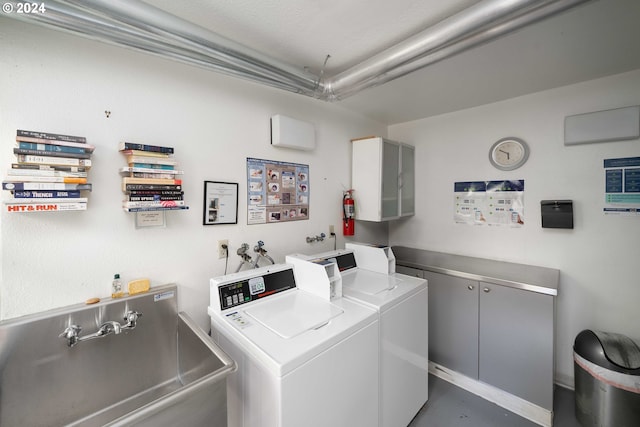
(509, 153)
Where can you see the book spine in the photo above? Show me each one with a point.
(47, 135)
(62, 161)
(51, 153)
(46, 194)
(145, 147)
(44, 172)
(151, 166)
(147, 154)
(50, 148)
(46, 186)
(151, 171)
(43, 207)
(158, 181)
(151, 160)
(155, 193)
(155, 198)
(151, 187)
(155, 209)
(158, 204)
(64, 179)
(87, 147)
(45, 200)
(45, 167)
(153, 175)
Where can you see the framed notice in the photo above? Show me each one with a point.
(220, 203)
(494, 203)
(622, 186)
(276, 191)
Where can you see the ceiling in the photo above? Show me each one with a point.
(599, 38)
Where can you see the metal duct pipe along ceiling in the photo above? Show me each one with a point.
(140, 26)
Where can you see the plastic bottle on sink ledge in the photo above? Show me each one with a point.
(116, 287)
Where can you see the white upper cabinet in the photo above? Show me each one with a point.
(383, 177)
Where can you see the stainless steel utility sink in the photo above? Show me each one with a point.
(164, 371)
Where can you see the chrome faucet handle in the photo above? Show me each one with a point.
(71, 334)
(132, 318)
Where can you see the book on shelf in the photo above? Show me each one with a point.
(45, 172)
(155, 181)
(51, 160)
(155, 192)
(52, 153)
(148, 209)
(153, 204)
(151, 187)
(45, 200)
(83, 145)
(147, 154)
(126, 181)
(150, 170)
(45, 167)
(41, 194)
(46, 186)
(151, 166)
(153, 198)
(64, 179)
(151, 160)
(124, 146)
(152, 175)
(50, 136)
(44, 207)
(51, 148)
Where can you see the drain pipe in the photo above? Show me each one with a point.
(472, 27)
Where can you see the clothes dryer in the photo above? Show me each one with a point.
(402, 304)
(302, 360)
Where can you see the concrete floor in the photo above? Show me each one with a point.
(451, 406)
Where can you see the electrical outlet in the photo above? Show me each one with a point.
(223, 248)
(331, 232)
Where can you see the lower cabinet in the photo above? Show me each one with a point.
(516, 342)
(496, 334)
(453, 323)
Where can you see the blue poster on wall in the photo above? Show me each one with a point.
(276, 191)
(622, 186)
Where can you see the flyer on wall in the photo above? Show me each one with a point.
(622, 186)
(496, 203)
(276, 191)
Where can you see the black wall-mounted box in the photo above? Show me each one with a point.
(557, 213)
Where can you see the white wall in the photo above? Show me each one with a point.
(53, 82)
(598, 259)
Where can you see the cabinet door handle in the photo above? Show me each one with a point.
(487, 290)
(470, 287)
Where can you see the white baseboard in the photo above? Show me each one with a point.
(515, 404)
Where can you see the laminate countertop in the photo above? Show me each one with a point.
(522, 276)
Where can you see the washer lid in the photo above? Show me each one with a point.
(295, 314)
(369, 282)
(382, 291)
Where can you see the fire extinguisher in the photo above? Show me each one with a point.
(348, 212)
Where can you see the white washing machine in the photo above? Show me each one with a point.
(302, 360)
(402, 304)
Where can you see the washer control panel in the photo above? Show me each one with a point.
(254, 288)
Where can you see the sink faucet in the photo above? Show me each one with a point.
(72, 332)
(110, 327)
